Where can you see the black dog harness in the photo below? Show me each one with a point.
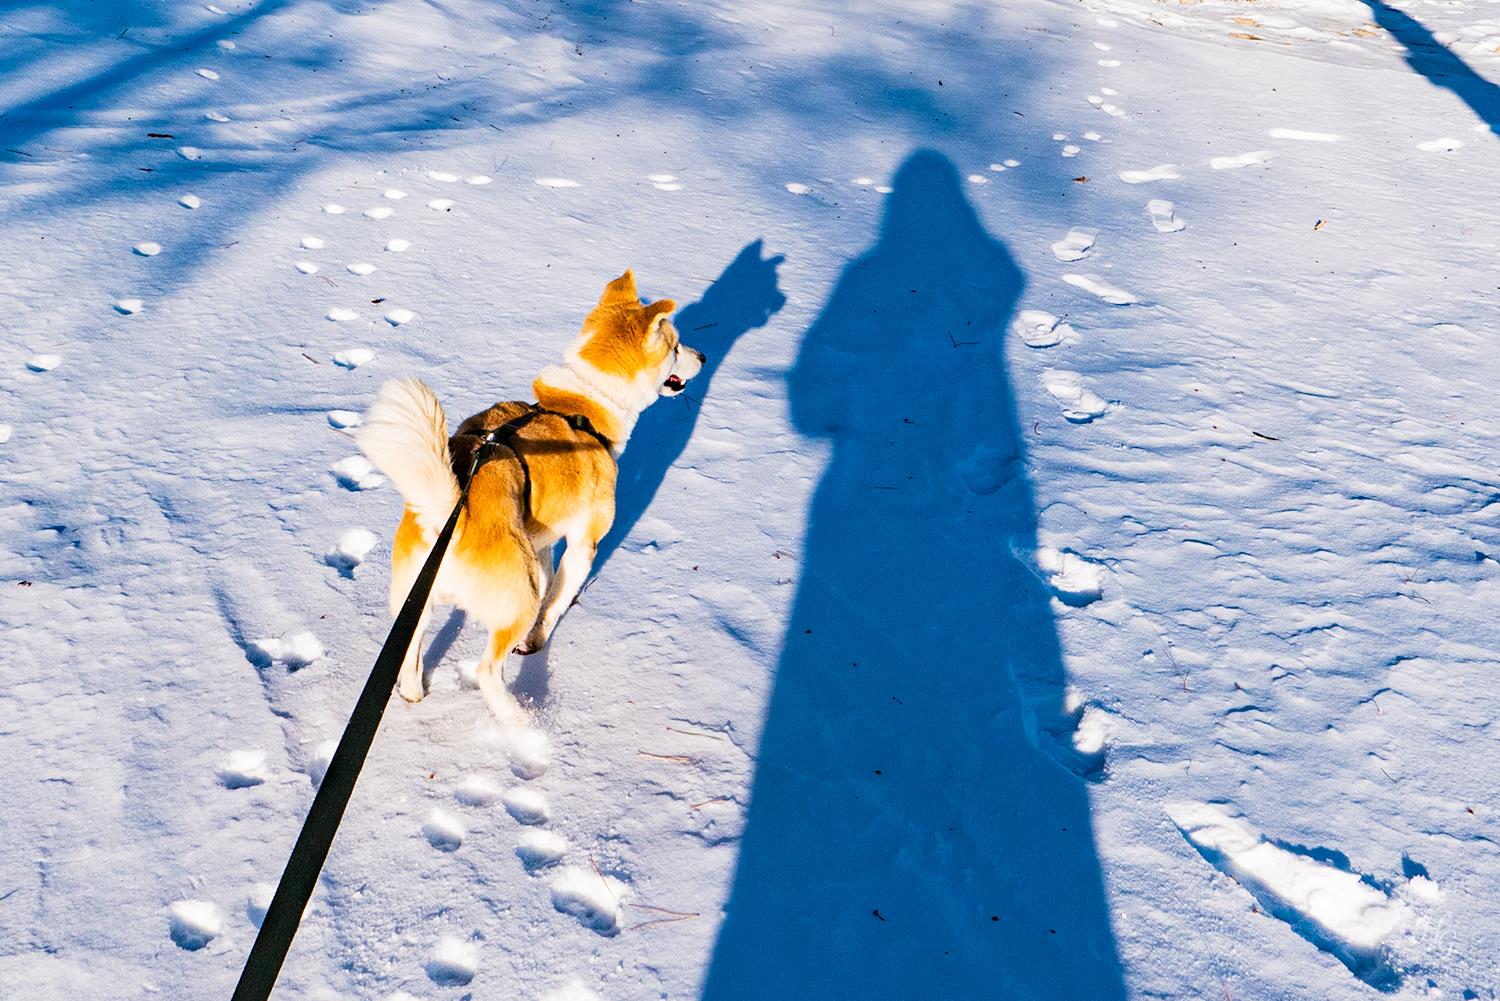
(505, 435)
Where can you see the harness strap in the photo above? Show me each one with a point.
(505, 435)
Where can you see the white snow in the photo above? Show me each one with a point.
(965, 559)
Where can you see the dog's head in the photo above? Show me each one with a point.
(635, 342)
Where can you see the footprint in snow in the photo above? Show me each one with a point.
(1079, 403)
(476, 790)
(380, 212)
(128, 306)
(1075, 580)
(397, 246)
(1107, 108)
(214, 116)
(1441, 145)
(5, 432)
(356, 473)
(195, 923)
(351, 549)
(190, 201)
(1109, 63)
(322, 756)
(333, 209)
(242, 769)
(438, 175)
(258, 902)
(1076, 245)
(353, 358)
(341, 314)
(295, 651)
(444, 831)
(312, 243)
(594, 899)
(207, 74)
(1039, 329)
(307, 267)
(1243, 160)
(1109, 293)
(343, 418)
(477, 179)
(1162, 216)
(360, 269)
(147, 248)
(1163, 172)
(440, 204)
(664, 182)
(538, 849)
(557, 182)
(394, 194)
(454, 962)
(396, 317)
(1317, 137)
(527, 806)
(43, 363)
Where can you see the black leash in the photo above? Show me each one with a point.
(311, 850)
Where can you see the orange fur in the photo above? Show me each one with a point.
(500, 559)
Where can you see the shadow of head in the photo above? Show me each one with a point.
(744, 297)
(914, 330)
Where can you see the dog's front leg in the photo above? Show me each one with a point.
(572, 569)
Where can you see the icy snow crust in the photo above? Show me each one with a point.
(1072, 574)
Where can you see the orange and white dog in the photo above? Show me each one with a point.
(552, 477)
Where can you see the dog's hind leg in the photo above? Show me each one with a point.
(571, 572)
(409, 683)
(491, 669)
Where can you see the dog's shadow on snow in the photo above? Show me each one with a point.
(744, 297)
(919, 823)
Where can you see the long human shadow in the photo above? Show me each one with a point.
(1438, 64)
(744, 297)
(919, 823)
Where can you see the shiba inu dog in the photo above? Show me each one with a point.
(551, 476)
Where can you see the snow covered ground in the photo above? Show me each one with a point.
(1073, 574)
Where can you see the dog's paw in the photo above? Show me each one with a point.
(411, 695)
(534, 641)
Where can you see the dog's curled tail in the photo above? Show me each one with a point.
(405, 433)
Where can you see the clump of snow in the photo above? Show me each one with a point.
(258, 902)
(243, 769)
(295, 651)
(351, 358)
(351, 549)
(1039, 328)
(195, 923)
(444, 831)
(1332, 907)
(526, 805)
(573, 990)
(1079, 403)
(1073, 579)
(356, 473)
(1076, 245)
(454, 962)
(43, 363)
(596, 900)
(538, 848)
(476, 790)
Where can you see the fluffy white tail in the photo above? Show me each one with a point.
(405, 434)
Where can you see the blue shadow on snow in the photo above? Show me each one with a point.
(744, 297)
(919, 824)
(1440, 66)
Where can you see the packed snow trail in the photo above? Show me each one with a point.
(1257, 406)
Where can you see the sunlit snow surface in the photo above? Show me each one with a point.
(1247, 447)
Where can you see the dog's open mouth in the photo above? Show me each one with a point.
(674, 383)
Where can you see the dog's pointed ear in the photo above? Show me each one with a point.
(656, 315)
(621, 291)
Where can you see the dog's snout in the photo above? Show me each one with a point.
(702, 358)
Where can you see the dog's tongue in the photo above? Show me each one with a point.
(675, 384)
